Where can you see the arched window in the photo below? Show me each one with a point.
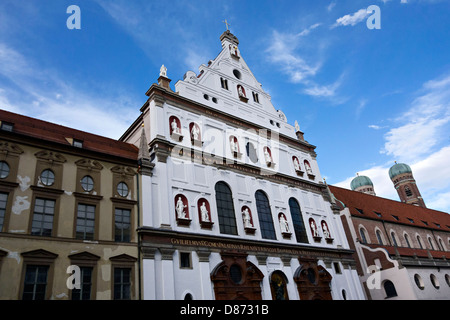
(420, 242)
(225, 209)
(407, 241)
(408, 191)
(441, 244)
(380, 239)
(265, 216)
(278, 286)
(389, 289)
(394, 240)
(297, 221)
(362, 232)
(431, 243)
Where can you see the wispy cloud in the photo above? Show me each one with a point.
(423, 124)
(287, 51)
(421, 140)
(351, 19)
(56, 100)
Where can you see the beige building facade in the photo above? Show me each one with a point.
(68, 213)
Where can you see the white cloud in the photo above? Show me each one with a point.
(58, 101)
(351, 19)
(420, 141)
(331, 6)
(423, 125)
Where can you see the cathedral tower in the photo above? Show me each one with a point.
(363, 184)
(402, 177)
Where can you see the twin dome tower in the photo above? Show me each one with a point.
(404, 182)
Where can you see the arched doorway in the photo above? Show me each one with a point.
(313, 281)
(278, 286)
(235, 278)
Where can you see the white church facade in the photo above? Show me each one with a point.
(232, 201)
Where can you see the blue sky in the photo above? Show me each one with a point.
(365, 98)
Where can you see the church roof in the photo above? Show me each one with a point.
(54, 133)
(377, 208)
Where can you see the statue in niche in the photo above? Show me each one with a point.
(284, 224)
(233, 145)
(247, 219)
(314, 229)
(241, 92)
(308, 167)
(174, 126)
(163, 71)
(204, 213)
(234, 50)
(296, 164)
(267, 155)
(195, 132)
(326, 233)
(181, 214)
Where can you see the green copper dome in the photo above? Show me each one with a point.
(399, 168)
(360, 181)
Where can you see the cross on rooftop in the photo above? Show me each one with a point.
(226, 23)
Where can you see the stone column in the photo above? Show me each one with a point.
(205, 280)
(167, 275)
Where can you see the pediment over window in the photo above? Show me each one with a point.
(39, 254)
(87, 256)
(50, 156)
(123, 258)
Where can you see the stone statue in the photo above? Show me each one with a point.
(267, 155)
(284, 224)
(296, 164)
(326, 233)
(314, 229)
(204, 212)
(297, 127)
(233, 145)
(195, 132)
(174, 125)
(247, 219)
(163, 71)
(181, 214)
(308, 167)
(241, 92)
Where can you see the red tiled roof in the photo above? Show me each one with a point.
(406, 213)
(57, 134)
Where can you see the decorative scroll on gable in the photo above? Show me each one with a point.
(50, 156)
(123, 170)
(89, 164)
(6, 147)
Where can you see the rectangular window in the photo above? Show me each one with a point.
(255, 97)
(122, 225)
(85, 222)
(3, 202)
(77, 143)
(42, 224)
(185, 260)
(224, 83)
(6, 126)
(337, 268)
(35, 282)
(84, 293)
(122, 283)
